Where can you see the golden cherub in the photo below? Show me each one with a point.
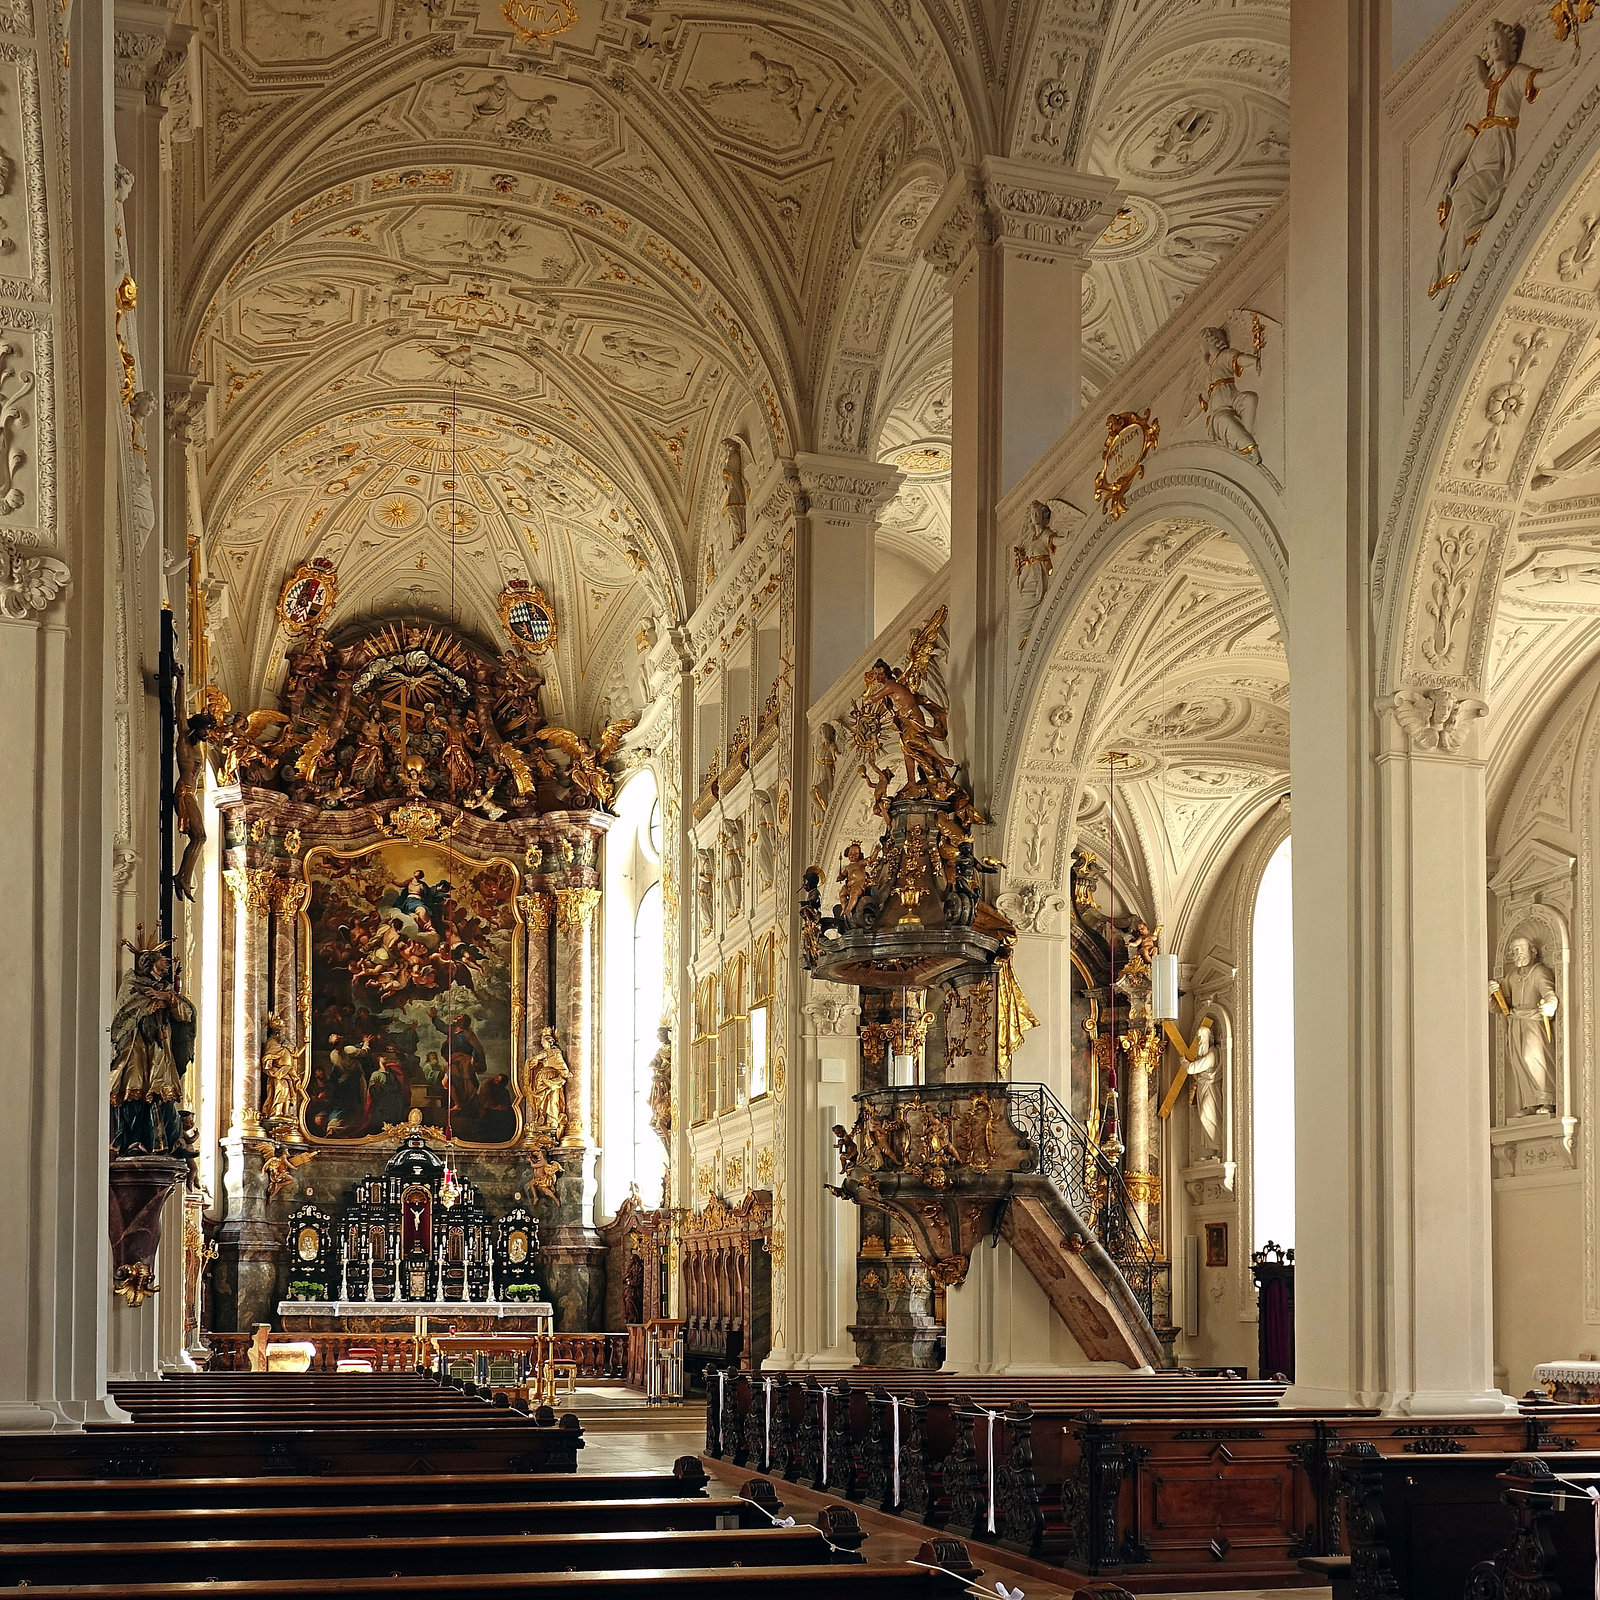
(277, 1167)
(920, 721)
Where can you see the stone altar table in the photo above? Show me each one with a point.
(401, 1316)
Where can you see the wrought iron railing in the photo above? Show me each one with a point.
(1057, 1146)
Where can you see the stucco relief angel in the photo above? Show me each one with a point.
(1481, 140)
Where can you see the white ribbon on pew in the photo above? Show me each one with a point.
(894, 1400)
(1000, 1590)
(991, 1415)
(824, 1436)
(766, 1429)
(722, 1400)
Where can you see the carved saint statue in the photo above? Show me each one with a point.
(548, 1073)
(661, 1087)
(1475, 165)
(734, 497)
(281, 1071)
(152, 1034)
(1205, 1074)
(1526, 996)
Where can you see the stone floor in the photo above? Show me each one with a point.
(651, 1443)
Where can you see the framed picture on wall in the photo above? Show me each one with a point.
(1216, 1244)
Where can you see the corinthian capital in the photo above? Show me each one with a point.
(846, 488)
(1047, 212)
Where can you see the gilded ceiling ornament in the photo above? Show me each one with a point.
(308, 595)
(538, 21)
(1130, 437)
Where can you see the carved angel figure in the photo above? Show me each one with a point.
(1436, 719)
(592, 786)
(1476, 162)
(277, 1167)
(242, 742)
(920, 721)
(854, 878)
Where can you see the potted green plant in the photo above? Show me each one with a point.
(306, 1289)
(522, 1291)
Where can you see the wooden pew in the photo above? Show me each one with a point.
(72, 1496)
(380, 1520)
(509, 1445)
(888, 1582)
(226, 1559)
(1419, 1528)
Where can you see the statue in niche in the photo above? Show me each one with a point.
(1230, 411)
(1526, 998)
(152, 1034)
(281, 1071)
(1205, 1078)
(1475, 165)
(706, 890)
(661, 1087)
(734, 498)
(548, 1073)
(733, 869)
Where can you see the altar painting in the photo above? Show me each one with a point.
(413, 955)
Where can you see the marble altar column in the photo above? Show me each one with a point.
(536, 909)
(249, 1246)
(575, 965)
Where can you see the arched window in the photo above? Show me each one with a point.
(635, 955)
(1272, 1052)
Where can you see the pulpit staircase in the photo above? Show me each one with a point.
(958, 1163)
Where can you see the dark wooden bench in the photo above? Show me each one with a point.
(74, 1496)
(889, 1582)
(228, 1559)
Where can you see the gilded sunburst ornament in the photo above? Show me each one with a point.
(397, 512)
(535, 21)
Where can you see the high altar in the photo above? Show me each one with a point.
(408, 970)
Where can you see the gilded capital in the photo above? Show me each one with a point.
(252, 888)
(575, 909)
(536, 908)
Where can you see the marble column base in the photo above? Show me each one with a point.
(574, 1261)
(246, 1274)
